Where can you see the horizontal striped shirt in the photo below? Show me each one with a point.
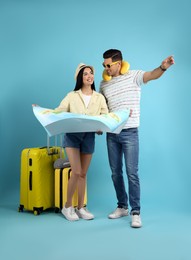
(124, 92)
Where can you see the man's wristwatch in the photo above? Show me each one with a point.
(162, 68)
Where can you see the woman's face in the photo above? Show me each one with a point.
(88, 76)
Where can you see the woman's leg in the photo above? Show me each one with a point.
(85, 162)
(75, 162)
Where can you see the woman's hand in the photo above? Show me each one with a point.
(99, 132)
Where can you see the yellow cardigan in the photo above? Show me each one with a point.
(74, 103)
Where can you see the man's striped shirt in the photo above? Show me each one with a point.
(124, 92)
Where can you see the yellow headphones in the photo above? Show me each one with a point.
(124, 69)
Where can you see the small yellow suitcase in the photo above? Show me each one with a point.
(62, 176)
(37, 178)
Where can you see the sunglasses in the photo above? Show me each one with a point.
(109, 65)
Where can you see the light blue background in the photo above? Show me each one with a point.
(41, 44)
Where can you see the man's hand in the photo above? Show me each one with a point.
(167, 62)
(158, 72)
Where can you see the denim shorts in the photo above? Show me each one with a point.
(85, 142)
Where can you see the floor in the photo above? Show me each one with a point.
(164, 236)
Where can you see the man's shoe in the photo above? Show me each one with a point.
(70, 214)
(118, 213)
(136, 221)
(84, 213)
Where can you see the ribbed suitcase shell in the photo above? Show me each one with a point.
(61, 183)
(37, 178)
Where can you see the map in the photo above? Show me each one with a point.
(56, 123)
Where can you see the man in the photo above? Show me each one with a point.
(121, 88)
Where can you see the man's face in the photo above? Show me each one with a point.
(112, 68)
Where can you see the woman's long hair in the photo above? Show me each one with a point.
(79, 80)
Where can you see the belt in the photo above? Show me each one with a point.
(127, 129)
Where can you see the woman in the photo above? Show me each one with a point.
(80, 146)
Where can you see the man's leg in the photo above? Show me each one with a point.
(131, 155)
(116, 165)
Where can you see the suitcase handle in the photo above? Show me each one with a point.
(54, 151)
(55, 143)
(44, 147)
(48, 146)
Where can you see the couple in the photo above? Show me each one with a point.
(119, 89)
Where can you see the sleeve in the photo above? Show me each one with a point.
(100, 88)
(64, 105)
(139, 77)
(104, 108)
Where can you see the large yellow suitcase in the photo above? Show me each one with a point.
(61, 183)
(37, 178)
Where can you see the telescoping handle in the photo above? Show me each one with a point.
(50, 151)
(61, 148)
(48, 145)
(63, 161)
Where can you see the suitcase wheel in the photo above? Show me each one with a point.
(20, 209)
(36, 212)
(57, 210)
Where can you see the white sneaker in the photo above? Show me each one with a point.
(118, 213)
(70, 214)
(84, 213)
(136, 221)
